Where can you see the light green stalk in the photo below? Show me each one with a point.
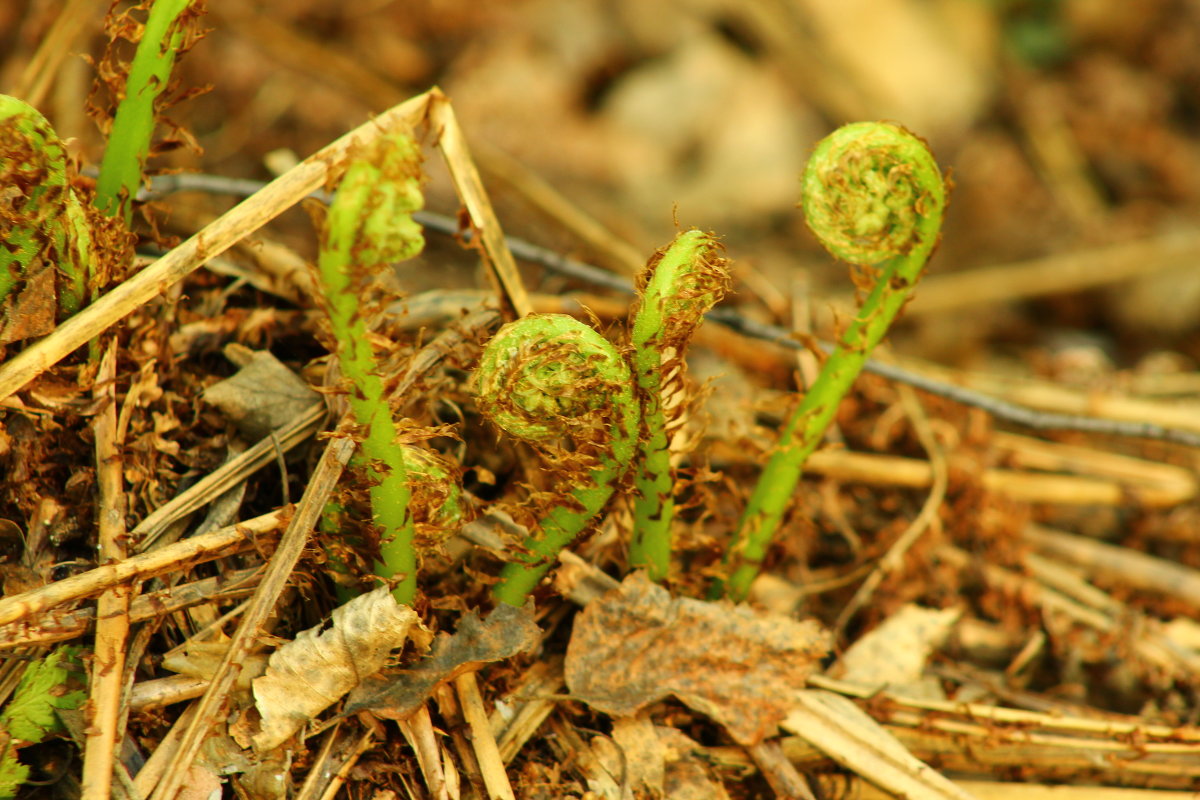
(873, 195)
(369, 225)
(44, 222)
(547, 379)
(678, 286)
(133, 127)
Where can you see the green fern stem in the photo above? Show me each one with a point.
(549, 379)
(679, 285)
(44, 225)
(369, 225)
(873, 195)
(133, 126)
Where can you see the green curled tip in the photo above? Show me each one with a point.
(872, 191)
(547, 377)
(552, 381)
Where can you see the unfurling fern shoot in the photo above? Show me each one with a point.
(873, 195)
(555, 383)
(678, 286)
(42, 225)
(370, 225)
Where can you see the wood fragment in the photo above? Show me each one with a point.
(104, 709)
(490, 763)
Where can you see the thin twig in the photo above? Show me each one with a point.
(578, 270)
(218, 544)
(926, 518)
(494, 776)
(112, 609)
(291, 545)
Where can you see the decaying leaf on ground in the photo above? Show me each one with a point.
(505, 632)
(312, 672)
(638, 645)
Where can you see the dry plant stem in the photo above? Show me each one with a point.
(73, 624)
(453, 144)
(779, 773)
(218, 544)
(112, 609)
(163, 692)
(291, 545)
(490, 763)
(152, 771)
(364, 743)
(1144, 483)
(319, 773)
(1148, 644)
(822, 719)
(998, 790)
(926, 517)
(874, 196)
(1121, 565)
(1090, 741)
(418, 732)
(226, 476)
(250, 215)
(1073, 271)
(55, 47)
(613, 251)
(533, 700)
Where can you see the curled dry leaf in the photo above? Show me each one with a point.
(895, 653)
(637, 645)
(508, 630)
(261, 396)
(309, 674)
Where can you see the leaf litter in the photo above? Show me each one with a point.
(638, 645)
(1001, 646)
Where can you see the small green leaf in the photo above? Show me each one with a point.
(30, 716)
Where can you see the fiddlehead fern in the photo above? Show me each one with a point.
(678, 286)
(873, 195)
(549, 379)
(42, 222)
(370, 225)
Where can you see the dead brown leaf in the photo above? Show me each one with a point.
(397, 694)
(742, 667)
(262, 395)
(31, 311)
(307, 675)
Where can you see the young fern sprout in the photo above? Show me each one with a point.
(549, 379)
(43, 224)
(873, 195)
(370, 225)
(162, 38)
(679, 285)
